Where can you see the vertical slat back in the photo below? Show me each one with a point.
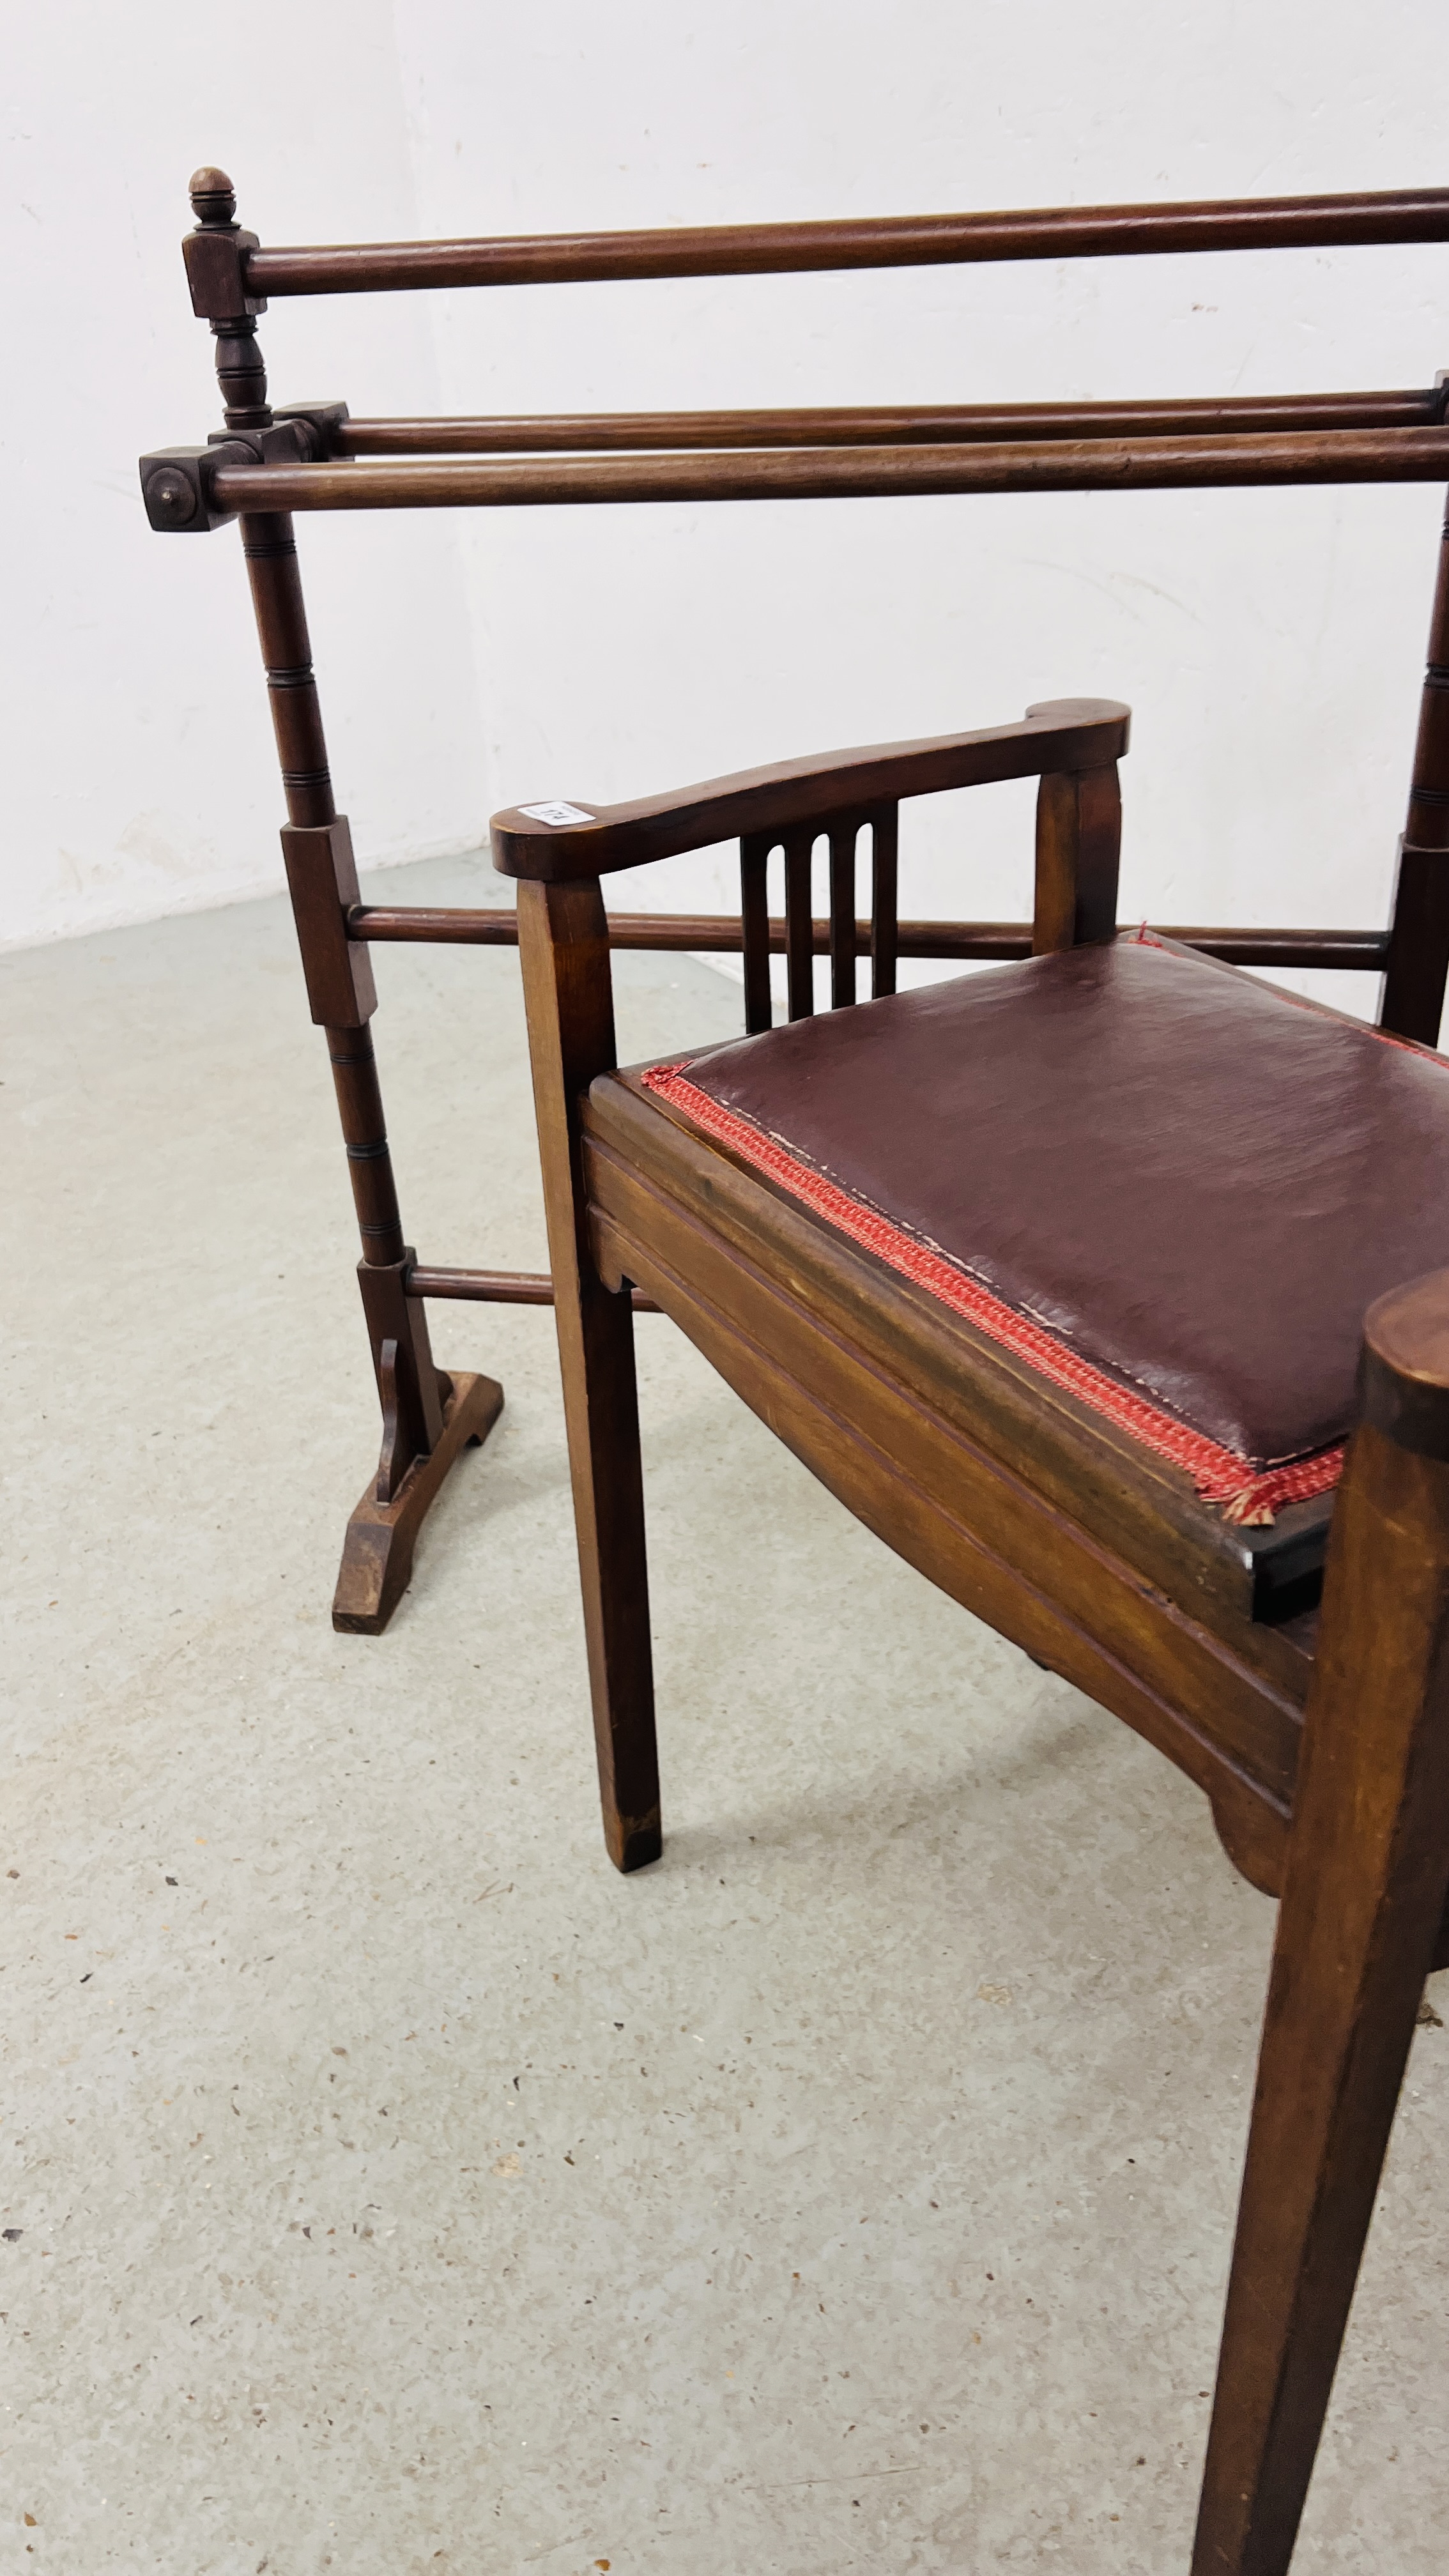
(755, 851)
(799, 922)
(842, 913)
(883, 899)
(798, 846)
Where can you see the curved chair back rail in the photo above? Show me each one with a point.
(1065, 733)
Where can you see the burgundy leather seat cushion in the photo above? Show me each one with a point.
(1194, 1183)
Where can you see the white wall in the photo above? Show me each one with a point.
(1271, 643)
(140, 776)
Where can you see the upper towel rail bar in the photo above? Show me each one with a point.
(892, 241)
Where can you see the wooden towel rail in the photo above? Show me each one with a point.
(274, 461)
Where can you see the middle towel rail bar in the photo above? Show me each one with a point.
(892, 424)
(1256, 458)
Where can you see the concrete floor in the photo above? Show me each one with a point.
(387, 2185)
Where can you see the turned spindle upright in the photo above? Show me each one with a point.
(427, 1416)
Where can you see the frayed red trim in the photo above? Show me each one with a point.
(1245, 1494)
(1255, 1505)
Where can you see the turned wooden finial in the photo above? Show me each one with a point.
(213, 199)
(216, 256)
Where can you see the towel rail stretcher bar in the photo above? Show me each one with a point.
(989, 942)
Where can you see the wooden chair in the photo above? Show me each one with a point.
(1109, 1288)
(979, 1255)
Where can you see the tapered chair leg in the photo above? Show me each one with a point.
(564, 951)
(1363, 1895)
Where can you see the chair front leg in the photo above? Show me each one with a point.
(564, 951)
(1364, 1891)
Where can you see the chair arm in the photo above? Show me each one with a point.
(1064, 734)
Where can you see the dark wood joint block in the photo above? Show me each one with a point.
(411, 1392)
(215, 259)
(284, 442)
(322, 876)
(321, 420)
(177, 486)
